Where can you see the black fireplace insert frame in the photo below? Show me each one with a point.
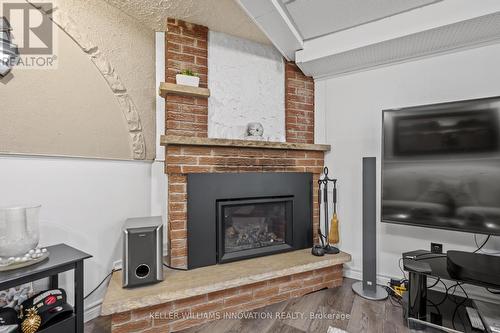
(204, 190)
(223, 257)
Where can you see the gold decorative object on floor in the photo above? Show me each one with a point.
(32, 321)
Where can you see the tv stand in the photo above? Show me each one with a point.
(466, 268)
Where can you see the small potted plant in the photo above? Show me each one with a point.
(188, 78)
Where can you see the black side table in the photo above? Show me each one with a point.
(62, 258)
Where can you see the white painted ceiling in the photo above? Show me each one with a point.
(315, 18)
(219, 15)
(476, 32)
(336, 37)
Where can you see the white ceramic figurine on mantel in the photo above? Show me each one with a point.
(254, 131)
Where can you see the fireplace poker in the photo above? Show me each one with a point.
(321, 236)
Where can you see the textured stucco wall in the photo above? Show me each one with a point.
(246, 81)
(72, 110)
(218, 15)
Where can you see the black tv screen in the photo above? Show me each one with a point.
(441, 166)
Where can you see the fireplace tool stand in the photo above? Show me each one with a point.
(323, 187)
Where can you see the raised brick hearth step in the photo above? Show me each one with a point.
(190, 298)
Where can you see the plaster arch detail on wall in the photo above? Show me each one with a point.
(127, 106)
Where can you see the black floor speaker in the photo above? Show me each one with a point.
(368, 288)
(142, 251)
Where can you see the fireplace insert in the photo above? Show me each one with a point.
(234, 216)
(246, 228)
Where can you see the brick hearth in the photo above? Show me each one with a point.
(178, 315)
(189, 298)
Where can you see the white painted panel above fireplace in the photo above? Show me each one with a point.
(246, 81)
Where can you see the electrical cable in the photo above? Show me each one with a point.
(100, 284)
(175, 268)
(398, 302)
(463, 290)
(495, 292)
(447, 291)
(454, 289)
(119, 269)
(434, 306)
(394, 297)
(391, 288)
(482, 245)
(437, 281)
(455, 314)
(458, 305)
(446, 288)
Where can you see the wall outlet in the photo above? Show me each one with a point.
(436, 248)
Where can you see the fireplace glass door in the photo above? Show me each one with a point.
(254, 227)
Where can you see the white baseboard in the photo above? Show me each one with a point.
(92, 311)
(117, 264)
(357, 274)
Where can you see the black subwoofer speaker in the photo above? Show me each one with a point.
(142, 251)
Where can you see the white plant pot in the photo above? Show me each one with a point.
(187, 80)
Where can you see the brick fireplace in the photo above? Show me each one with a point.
(191, 155)
(188, 150)
(189, 298)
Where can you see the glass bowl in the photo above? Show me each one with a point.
(18, 230)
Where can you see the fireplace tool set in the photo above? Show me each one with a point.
(331, 234)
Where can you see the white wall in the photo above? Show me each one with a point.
(247, 84)
(84, 204)
(86, 201)
(84, 117)
(353, 107)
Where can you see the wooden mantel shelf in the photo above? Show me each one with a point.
(190, 141)
(178, 89)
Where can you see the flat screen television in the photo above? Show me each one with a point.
(441, 166)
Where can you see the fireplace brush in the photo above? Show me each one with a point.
(332, 234)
